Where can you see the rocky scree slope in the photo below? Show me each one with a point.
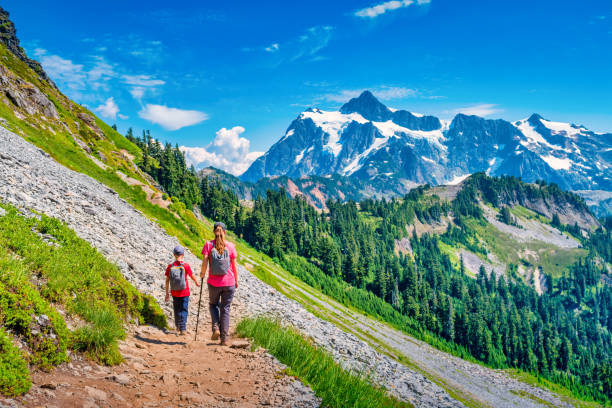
(30, 179)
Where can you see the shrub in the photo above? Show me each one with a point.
(14, 375)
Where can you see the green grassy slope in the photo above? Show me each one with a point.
(48, 275)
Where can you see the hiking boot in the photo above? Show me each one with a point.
(224, 343)
(215, 334)
(182, 333)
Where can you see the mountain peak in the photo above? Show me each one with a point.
(367, 106)
(535, 118)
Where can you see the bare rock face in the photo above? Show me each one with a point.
(91, 124)
(25, 96)
(8, 36)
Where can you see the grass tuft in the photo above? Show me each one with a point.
(336, 386)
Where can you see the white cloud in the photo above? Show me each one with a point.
(124, 117)
(171, 118)
(62, 70)
(83, 82)
(108, 109)
(272, 48)
(306, 46)
(142, 80)
(484, 109)
(101, 69)
(384, 93)
(228, 151)
(312, 41)
(137, 92)
(141, 84)
(382, 8)
(101, 73)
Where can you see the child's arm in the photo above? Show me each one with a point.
(167, 283)
(193, 278)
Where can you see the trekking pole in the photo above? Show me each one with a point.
(198, 317)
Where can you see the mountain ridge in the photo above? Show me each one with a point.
(368, 141)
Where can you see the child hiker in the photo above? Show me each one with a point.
(176, 279)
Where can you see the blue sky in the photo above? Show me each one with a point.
(231, 76)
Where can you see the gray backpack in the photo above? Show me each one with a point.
(219, 263)
(177, 277)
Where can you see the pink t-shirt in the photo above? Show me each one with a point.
(229, 279)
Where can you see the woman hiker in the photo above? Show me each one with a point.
(219, 257)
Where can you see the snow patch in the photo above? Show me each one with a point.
(557, 163)
(356, 164)
(494, 164)
(533, 137)
(288, 134)
(332, 123)
(299, 157)
(427, 159)
(560, 127)
(457, 179)
(390, 128)
(418, 115)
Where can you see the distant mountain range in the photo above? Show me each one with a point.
(373, 150)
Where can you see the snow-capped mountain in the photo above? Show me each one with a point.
(371, 142)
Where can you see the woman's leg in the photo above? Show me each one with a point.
(213, 305)
(226, 301)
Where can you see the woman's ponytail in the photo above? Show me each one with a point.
(220, 240)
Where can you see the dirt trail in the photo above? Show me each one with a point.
(162, 369)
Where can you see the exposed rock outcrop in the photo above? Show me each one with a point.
(24, 96)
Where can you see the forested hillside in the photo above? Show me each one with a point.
(563, 334)
(351, 254)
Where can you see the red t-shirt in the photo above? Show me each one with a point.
(184, 292)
